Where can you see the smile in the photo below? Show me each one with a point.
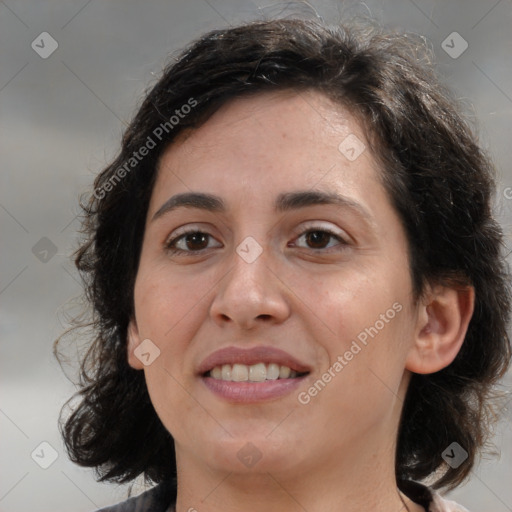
(259, 372)
(252, 375)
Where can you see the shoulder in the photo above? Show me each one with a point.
(157, 499)
(440, 504)
(430, 500)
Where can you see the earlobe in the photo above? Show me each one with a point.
(442, 323)
(133, 342)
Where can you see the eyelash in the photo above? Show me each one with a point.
(331, 234)
(170, 243)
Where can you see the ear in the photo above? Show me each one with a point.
(132, 343)
(442, 322)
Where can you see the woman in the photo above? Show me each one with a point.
(299, 298)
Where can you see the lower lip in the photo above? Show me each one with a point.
(252, 392)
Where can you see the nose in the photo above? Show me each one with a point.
(249, 295)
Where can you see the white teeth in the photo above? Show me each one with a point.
(239, 373)
(272, 371)
(255, 373)
(226, 372)
(284, 372)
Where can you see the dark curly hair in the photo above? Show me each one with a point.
(439, 181)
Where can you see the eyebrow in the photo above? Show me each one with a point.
(197, 200)
(302, 199)
(285, 202)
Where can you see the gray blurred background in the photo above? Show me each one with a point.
(71, 75)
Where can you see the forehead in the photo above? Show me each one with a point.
(270, 141)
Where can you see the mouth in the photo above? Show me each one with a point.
(252, 375)
(259, 372)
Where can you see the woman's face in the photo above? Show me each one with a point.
(284, 317)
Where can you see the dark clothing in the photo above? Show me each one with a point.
(157, 499)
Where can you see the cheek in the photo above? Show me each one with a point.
(364, 316)
(365, 360)
(168, 309)
(171, 400)
(166, 303)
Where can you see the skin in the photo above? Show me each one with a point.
(337, 451)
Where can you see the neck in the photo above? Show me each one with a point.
(334, 485)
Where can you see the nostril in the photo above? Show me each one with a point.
(265, 317)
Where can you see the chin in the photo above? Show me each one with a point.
(251, 454)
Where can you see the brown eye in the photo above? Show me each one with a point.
(196, 241)
(318, 239)
(193, 241)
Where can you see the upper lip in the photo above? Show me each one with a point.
(250, 356)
